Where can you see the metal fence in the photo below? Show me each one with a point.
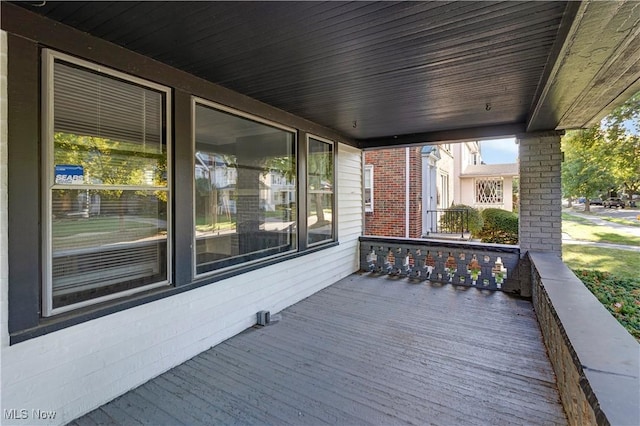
(447, 221)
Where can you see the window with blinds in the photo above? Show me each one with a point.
(107, 184)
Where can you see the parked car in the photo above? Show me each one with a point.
(595, 201)
(613, 202)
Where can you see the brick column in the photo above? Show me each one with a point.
(540, 193)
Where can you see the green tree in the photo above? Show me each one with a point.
(622, 144)
(585, 170)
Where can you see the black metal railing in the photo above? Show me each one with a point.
(446, 221)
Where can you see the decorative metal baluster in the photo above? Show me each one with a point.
(371, 259)
(474, 270)
(451, 267)
(429, 265)
(418, 265)
(388, 264)
(398, 264)
(499, 272)
(407, 267)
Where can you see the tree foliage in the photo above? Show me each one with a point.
(622, 128)
(606, 157)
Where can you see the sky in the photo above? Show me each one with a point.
(499, 151)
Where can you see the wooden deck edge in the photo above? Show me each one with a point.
(595, 359)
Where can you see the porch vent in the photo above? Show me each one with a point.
(264, 318)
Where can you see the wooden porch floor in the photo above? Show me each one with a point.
(364, 351)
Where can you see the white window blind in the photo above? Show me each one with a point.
(107, 200)
(92, 104)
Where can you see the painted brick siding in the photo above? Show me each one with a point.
(4, 206)
(389, 193)
(540, 194)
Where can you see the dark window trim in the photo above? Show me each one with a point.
(334, 206)
(223, 265)
(68, 319)
(27, 35)
(49, 58)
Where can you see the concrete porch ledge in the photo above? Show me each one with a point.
(597, 362)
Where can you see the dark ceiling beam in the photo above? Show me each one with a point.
(595, 69)
(444, 136)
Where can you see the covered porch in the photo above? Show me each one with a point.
(403, 347)
(367, 350)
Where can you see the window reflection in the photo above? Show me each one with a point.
(245, 197)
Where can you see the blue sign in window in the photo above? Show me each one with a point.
(69, 175)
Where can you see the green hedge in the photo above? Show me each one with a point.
(449, 221)
(500, 226)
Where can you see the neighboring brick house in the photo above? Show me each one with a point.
(438, 176)
(393, 202)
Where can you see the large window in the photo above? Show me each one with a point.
(106, 184)
(320, 197)
(245, 188)
(368, 188)
(489, 191)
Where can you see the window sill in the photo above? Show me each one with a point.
(69, 319)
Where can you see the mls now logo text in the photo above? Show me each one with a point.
(24, 414)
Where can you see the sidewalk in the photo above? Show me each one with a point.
(598, 221)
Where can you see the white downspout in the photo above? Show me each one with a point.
(406, 193)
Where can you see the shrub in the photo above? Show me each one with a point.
(450, 221)
(500, 226)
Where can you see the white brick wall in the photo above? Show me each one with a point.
(540, 194)
(4, 250)
(74, 370)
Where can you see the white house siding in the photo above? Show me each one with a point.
(74, 370)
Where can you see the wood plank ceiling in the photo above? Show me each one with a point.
(369, 70)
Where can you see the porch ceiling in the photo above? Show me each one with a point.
(387, 73)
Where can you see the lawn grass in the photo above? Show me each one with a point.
(622, 263)
(584, 230)
(612, 276)
(70, 227)
(622, 221)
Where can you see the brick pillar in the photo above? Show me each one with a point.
(540, 192)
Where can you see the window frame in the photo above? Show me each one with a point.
(48, 59)
(368, 207)
(334, 213)
(26, 168)
(195, 101)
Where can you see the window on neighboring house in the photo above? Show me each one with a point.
(106, 186)
(320, 194)
(443, 202)
(368, 188)
(242, 219)
(489, 191)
